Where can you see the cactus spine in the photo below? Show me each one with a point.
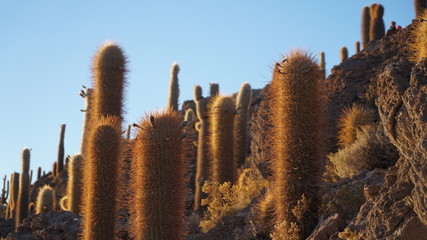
(100, 179)
(24, 186)
(159, 178)
(366, 23)
(343, 54)
(74, 184)
(221, 139)
(45, 200)
(243, 102)
(377, 30)
(214, 89)
(297, 159)
(60, 165)
(322, 63)
(173, 89)
(14, 189)
(202, 150)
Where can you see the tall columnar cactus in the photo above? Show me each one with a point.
(243, 102)
(60, 165)
(343, 54)
(221, 115)
(24, 187)
(74, 184)
(377, 30)
(86, 93)
(418, 43)
(100, 176)
(357, 47)
(214, 89)
(296, 137)
(322, 63)
(173, 89)
(366, 23)
(39, 173)
(55, 169)
(13, 200)
(4, 191)
(158, 181)
(46, 200)
(420, 6)
(109, 79)
(202, 165)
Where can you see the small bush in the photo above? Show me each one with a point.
(348, 235)
(372, 149)
(227, 199)
(351, 120)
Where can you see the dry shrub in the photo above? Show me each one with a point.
(351, 120)
(292, 231)
(348, 235)
(372, 149)
(227, 199)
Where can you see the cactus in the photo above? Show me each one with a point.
(418, 43)
(14, 189)
(343, 54)
(39, 173)
(173, 89)
(60, 165)
(221, 138)
(24, 186)
(420, 6)
(109, 79)
(158, 180)
(55, 169)
(322, 63)
(100, 176)
(214, 89)
(4, 191)
(296, 137)
(45, 200)
(243, 102)
(128, 132)
(87, 94)
(377, 30)
(265, 209)
(63, 203)
(366, 23)
(74, 184)
(202, 148)
(357, 47)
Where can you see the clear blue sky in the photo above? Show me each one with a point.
(46, 48)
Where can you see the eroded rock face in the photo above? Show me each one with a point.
(402, 107)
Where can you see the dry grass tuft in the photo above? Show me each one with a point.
(352, 119)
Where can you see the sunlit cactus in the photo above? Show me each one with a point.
(322, 63)
(243, 103)
(173, 89)
(100, 175)
(45, 200)
(13, 199)
(158, 178)
(296, 136)
(221, 114)
(87, 94)
(74, 184)
(24, 187)
(420, 6)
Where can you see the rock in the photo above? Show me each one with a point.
(328, 227)
(48, 226)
